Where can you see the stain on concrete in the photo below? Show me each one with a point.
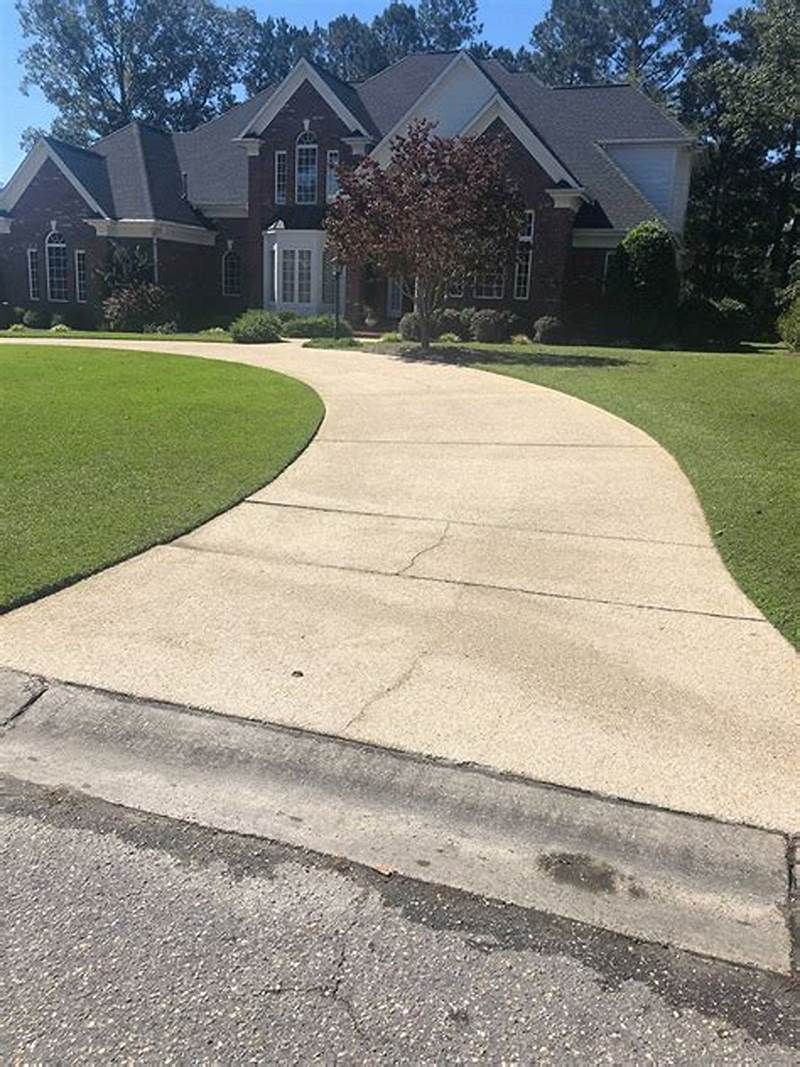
(580, 871)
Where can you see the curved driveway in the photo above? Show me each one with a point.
(463, 565)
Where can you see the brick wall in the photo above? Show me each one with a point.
(50, 198)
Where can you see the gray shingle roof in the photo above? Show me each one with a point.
(136, 171)
(90, 170)
(389, 94)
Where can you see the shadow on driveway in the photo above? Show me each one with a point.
(467, 356)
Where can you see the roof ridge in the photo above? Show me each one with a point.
(229, 110)
(142, 159)
(68, 144)
(411, 55)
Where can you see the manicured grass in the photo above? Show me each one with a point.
(109, 335)
(104, 453)
(731, 420)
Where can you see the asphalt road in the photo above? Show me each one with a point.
(129, 937)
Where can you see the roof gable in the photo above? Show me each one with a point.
(336, 94)
(82, 168)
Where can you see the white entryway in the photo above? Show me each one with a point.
(298, 275)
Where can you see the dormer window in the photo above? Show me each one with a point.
(306, 168)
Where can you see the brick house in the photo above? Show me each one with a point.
(232, 213)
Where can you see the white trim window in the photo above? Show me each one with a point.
(55, 249)
(281, 171)
(34, 288)
(490, 285)
(522, 271)
(527, 230)
(231, 273)
(394, 297)
(288, 273)
(306, 156)
(331, 180)
(81, 278)
(303, 275)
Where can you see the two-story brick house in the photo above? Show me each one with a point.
(233, 212)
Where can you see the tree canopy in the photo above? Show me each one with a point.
(441, 210)
(176, 63)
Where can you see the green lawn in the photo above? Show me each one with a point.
(110, 335)
(104, 453)
(731, 420)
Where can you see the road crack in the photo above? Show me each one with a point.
(428, 548)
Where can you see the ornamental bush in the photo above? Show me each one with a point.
(409, 326)
(454, 320)
(492, 326)
(789, 326)
(316, 326)
(32, 319)
(448, 338)
(642, 283)
(255, 328)
(134, 306)
(548, 330)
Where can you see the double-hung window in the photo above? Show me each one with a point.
(56, 262)
(280, 176)
(490, 285)
(80, 276)
(34, 288)
(524, 262)
(231, 274)
(305, 169)
(331, 180)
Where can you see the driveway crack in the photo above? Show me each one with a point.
(428, 548)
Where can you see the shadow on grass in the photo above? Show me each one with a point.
(412, 353)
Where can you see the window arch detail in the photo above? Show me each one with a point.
(306, 168)
(231, 273)
(55, 250)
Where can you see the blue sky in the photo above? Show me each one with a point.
(508, 23)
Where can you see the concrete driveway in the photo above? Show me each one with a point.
(462, 565)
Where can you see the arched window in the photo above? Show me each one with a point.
(231, 274)
(55, 249)
(305, 169)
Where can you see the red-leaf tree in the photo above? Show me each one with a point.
(443, 209)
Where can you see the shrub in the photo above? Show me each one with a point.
(451, 320)
(391, 338)
(136, 305)
(17, 327)
(448, 338)
(256, 328)
(160, 327)
(732, 320)
(32, 319)
(286, 316)
(642, 282)
(409, 326)
(17, 314)
(789, 326)
(491, 326)
(57, 320)
(548, 330)
(316, 326)
(60, 327)
(520, 339)
(215, 331)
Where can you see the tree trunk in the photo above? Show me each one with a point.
(424, 307)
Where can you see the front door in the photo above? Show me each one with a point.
(293, 270)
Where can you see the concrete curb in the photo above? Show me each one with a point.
(719, 889)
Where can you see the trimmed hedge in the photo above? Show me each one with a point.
(255, 328)
(316, 326)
